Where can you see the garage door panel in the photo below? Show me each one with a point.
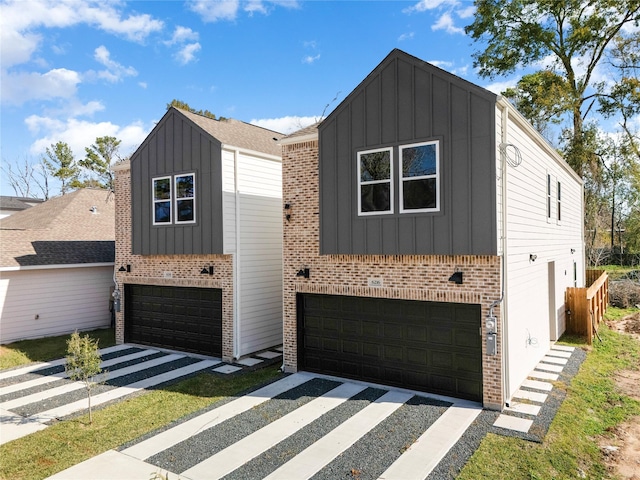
(434, 347)
(181, 318)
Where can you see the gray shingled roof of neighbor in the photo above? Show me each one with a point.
(61, 231)
(17, 203)
(236, 133)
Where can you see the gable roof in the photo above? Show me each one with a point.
(63, 230)
(18, 203)
(235, 133)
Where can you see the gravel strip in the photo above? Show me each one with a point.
(457, 457)
(201, 446)
(284, 451)
(370, 456)
(59, 400)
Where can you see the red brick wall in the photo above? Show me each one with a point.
(415, 277)
(185, 269)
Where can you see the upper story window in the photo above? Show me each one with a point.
(418, 185)
(548, 197)
(174, 199)
(559, 201)
(419, 178)
(375, 182)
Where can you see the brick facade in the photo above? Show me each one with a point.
(420, 277)
(184, 269)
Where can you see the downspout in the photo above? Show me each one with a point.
(236, 261)
(504, 122)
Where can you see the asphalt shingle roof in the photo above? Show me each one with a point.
(17, 203)
(237, 133)
(62, 230)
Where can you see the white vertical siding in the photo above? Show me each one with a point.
(531, 232)
(228, 202)
(260, 253)
(65, 300)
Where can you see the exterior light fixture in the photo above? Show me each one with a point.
(287, 207)
(456, 278)
(125, 269)
(303, 272)
(207, 270)
(532, 257)
(573, 250)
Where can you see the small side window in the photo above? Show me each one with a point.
(559, 202)
(548, 197)
(185, 198)
(375, 182)
(162, 201)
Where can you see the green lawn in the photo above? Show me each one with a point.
(592, 407)
(44, 349)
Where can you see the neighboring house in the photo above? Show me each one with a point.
(11, 205)
(56, 266)
(421, 205)
(199, 238)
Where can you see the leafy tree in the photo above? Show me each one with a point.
(60, 163)
(99, 159)
(185, 106)
(83, 363)
(572, 35)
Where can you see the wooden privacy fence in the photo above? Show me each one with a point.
(586, 306)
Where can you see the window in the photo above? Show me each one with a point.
(179, 189)
(419, 178)
(161, 201)
(548, 197)
(559, 200)
(185, 198)
(375, 182)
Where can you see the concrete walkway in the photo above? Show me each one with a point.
(416, 462)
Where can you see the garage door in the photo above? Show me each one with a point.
(180, 318)
(426, 346)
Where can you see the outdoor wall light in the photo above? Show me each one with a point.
(207, 270)
(287, 207)
(303, 272)
(123, 269)
(532, 257)
(573, 250)
(456, 278)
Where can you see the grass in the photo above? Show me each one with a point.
(615, 313)
(45, 349)
(591, 409)
(67, 443)
(616, 272)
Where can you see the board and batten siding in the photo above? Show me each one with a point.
(535, 288)
(405, 101)
(64, 299)
(177, 145)
(259, 253)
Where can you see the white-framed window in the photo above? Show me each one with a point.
(174, 199)
(549, 199)
(161, 192)
(559, 202)
(375, 181)
(420, 177)
(185, 198)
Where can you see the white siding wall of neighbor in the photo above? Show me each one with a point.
(259, 253)
(38, 303)
(535, 286)
(228, 201)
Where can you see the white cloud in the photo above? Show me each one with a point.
(182, 35)
(446, 23)
(79, 134)
(309, 59)
(20, 18)
(214, 10)
(499, 87)
(285, 125)
(20, 87)
(444, 64)
(406, 36)
(466, 12)
(187, 54)
(425, 5)
(115, 71)
(142, 84)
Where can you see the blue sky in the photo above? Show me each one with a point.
(75, 70)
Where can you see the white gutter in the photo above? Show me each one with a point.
(53, 267)
(299, 139)
(236, 261)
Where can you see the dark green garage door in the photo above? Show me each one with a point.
(180, 318)
(426, 346)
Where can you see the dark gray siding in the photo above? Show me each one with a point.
(177, 145)
(403, 101)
